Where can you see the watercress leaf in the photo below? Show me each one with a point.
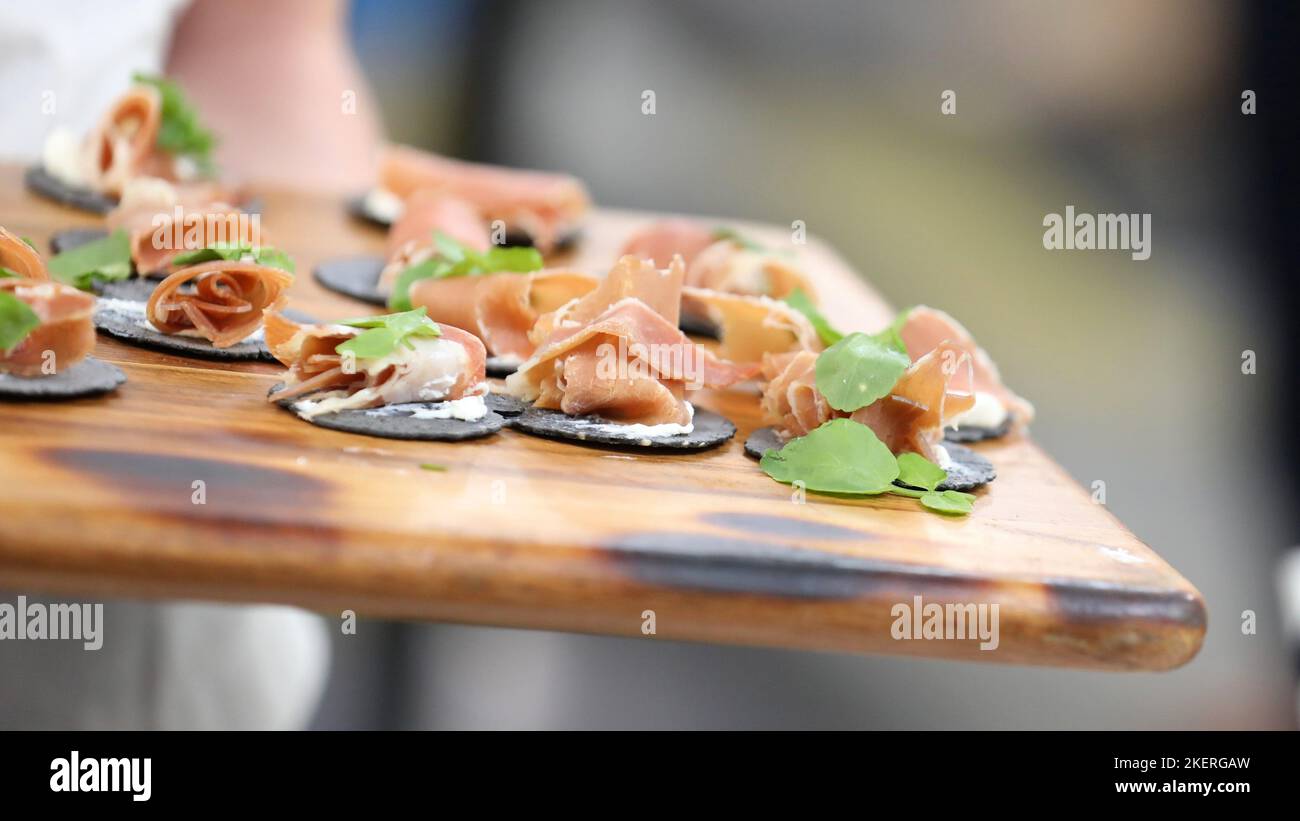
(804, 305)
(519, 260)
(180, 131)
(384, 333)
(8, 272)
(841, 456)
(949, 502)
(857, 371)
(449, 248)
(910, 492)
(732, 235)
(103, 259)
(17, 320)
(400, 298)
(275, 258)
(915, 470)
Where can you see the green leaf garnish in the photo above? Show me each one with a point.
(17, 320)
(103, 260)
(384, 333)
(949, 502)
(270, 257)
(841, 456)
(914, 470)
(456, 260)
(732, 235)
(892, 336)
(180, 132)
(801, 303)
(857, 371)
(30, 244)
(9, 272)
(432, 467)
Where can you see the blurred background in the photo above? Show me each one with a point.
(829, 112)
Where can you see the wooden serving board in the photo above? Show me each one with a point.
(98, 499)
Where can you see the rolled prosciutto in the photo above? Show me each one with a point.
(20, 258)
(224, 302)
(66, 330)
(617, 352)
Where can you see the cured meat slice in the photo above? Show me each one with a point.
(21, 258)
(617, 352)
(410, 240)
(729, 266)
(932, 391)
(429, 211)
(660, 241)
(923, 331)
(448, 367)
(546, 206)
(501, 309)
(123, 144)
(223, 301)
(718, 262)
(751, 327)
(67, 329)
(163, 221)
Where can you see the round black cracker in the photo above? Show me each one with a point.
(710, 430)
(506, 405)
(357, 277)
(42, 182)
(358, 210)
(397, 425)
(968, 469)
(762, 440)
(89, 377)
(977, 433)
(130, 326)
(70, 238)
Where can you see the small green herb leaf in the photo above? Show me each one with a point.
(384, 333)
(180, 132)
(456, 260)
(841, 456)
(949, 502)
(801, 303)
(8, 272)
(857, 371)
(732, 235)
(915, 470)
(104, 260)
(430, 466)
(17, 320)
(270, 257)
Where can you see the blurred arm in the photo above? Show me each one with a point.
(279, 84)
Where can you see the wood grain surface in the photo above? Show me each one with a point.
(97, 500)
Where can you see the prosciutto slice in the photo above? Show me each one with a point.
(717, 263)
(222, 301)
(926, 328)
(545, 205)
(410, 239)
(911, 418)
(501, 309)
(67, 329)
(21, 258)
(447, 367)
(751, 327)
(123, 145)
(617, 352)
(163, 221)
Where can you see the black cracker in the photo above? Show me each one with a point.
(710, 430)
(89, 377)
(977, 433)
(45, 184)
(127, 327)
(968, 469)
(71, 238)
(357, 277)
(387, 424)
